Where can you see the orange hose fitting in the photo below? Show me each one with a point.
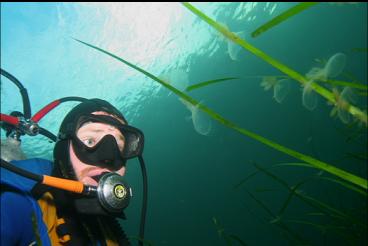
(65, 184)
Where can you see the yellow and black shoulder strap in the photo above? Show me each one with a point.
(65, 227)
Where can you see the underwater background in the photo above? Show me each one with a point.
(208, 184)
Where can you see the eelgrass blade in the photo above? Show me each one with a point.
(245, 179)
(287, 201)
(273, 216)
(322, 228)
(354, 136)
(358, 156)
(286, 185)
(221, 232)
(345, 83)
(203, 84)
(290, 196)
(359, 49)
(341, 182)
(333, 212)
(276, 165)
(355, 111)
(296, 164)
(362, 93)
(304, 222)
(350, 76)
(319, 164)
(279, 223)
(345, 184)
(282, 17)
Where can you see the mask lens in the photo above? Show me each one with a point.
(91, 133)
(93, 128)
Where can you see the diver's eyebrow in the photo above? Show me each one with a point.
(87, 130)
(93, 130)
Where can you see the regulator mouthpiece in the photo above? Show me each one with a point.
(113, 192)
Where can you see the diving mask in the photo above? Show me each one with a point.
(108, 147)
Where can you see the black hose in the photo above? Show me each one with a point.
(20, 171)
(48, 134)
(67, 99)
(144, 202)
(23, 92)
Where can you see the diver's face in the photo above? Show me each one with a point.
(90, 134)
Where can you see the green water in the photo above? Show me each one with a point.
(192, 176)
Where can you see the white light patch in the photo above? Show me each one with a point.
(135, 30)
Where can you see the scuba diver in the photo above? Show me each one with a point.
(77, 199)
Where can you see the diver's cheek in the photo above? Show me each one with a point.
(89, 181)
(121, 171)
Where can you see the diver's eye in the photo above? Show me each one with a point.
(89, 142)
